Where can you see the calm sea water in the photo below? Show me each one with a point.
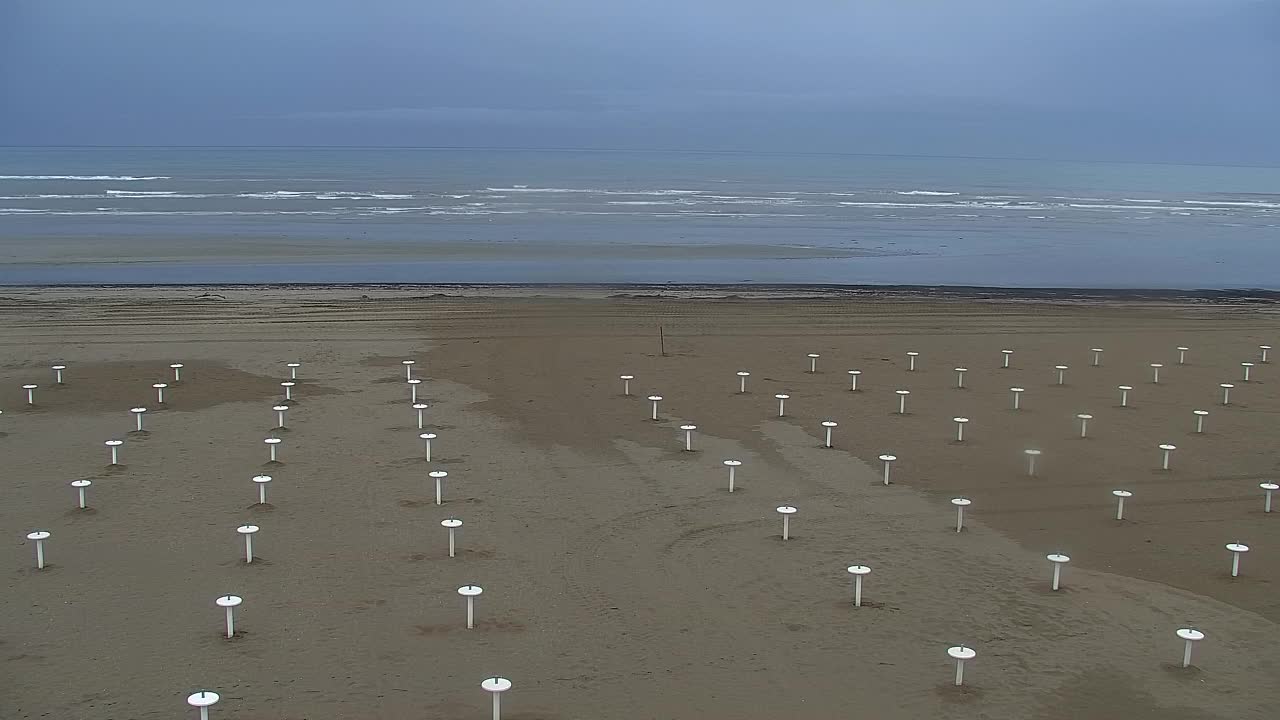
(190, 215)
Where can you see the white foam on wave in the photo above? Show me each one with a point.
(958, 204)
(675, 214)
(750, 200)
(278, 194)
(117, 212)
(651, 202)
(588, 191)
(1089, 206)
(1078, 199)
(1132, 200)
(121, 178)
(114, 195)
(347, 195)
(1235, 203)
(53, 197)
(428, 210)
(924, 192)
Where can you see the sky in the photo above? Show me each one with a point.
(1149, 80)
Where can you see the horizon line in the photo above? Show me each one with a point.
(517, 148)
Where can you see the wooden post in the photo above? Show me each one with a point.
(662, 342)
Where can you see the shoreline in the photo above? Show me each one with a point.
(681, 291)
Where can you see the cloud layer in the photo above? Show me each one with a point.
(1170, 80)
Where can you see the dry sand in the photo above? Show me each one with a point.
(621, 579)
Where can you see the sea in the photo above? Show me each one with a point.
(448, 215)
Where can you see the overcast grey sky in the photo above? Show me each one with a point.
(1165, 80)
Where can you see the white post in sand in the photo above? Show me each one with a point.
(159, 387)
(495, 686)
(887, 459)
(1200, 415)
(688, 436)
(1226, 392)
(911, 360)
(280, 411)
(272, 443)
(247, 531)
(853, 376)
(655, 399)
(1005, 363)
(439, 476)
(1267, 489)
(1084, 424)
(202, 700)
(742, 380)
(1155, 372)
(408, 369)
(115, 450)
(137, 414)
(828, 424)
(1168, 450)
(419, 407)
(813, 362)
(626, 384)
(902, 401)
(1097, 356)
(960, 654)
(786, 511)
(732, 465)
(288, 390)
(229, 602)
(80, 486)
(261, 481)
(451, 524)
(1031, 461)
(1120, 497)
(1017, 396)
(960, 422)
(177, 371)
(1190, 636)
(1058, 560)
(960, 377)
(1062, 373)
(1264, 349)
(858, 571)
(426, 441)
(413, 389)
(293, 369)
(470, 592)
(39, 536)
(1182, 354)
(961, 504)
(57, 373)
(1237, 549)
(782, 404)
(1124, 394)
(31, 393)
(1247, 367)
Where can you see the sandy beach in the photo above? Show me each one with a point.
(621, 579)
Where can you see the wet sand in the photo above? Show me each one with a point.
(621, 579)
